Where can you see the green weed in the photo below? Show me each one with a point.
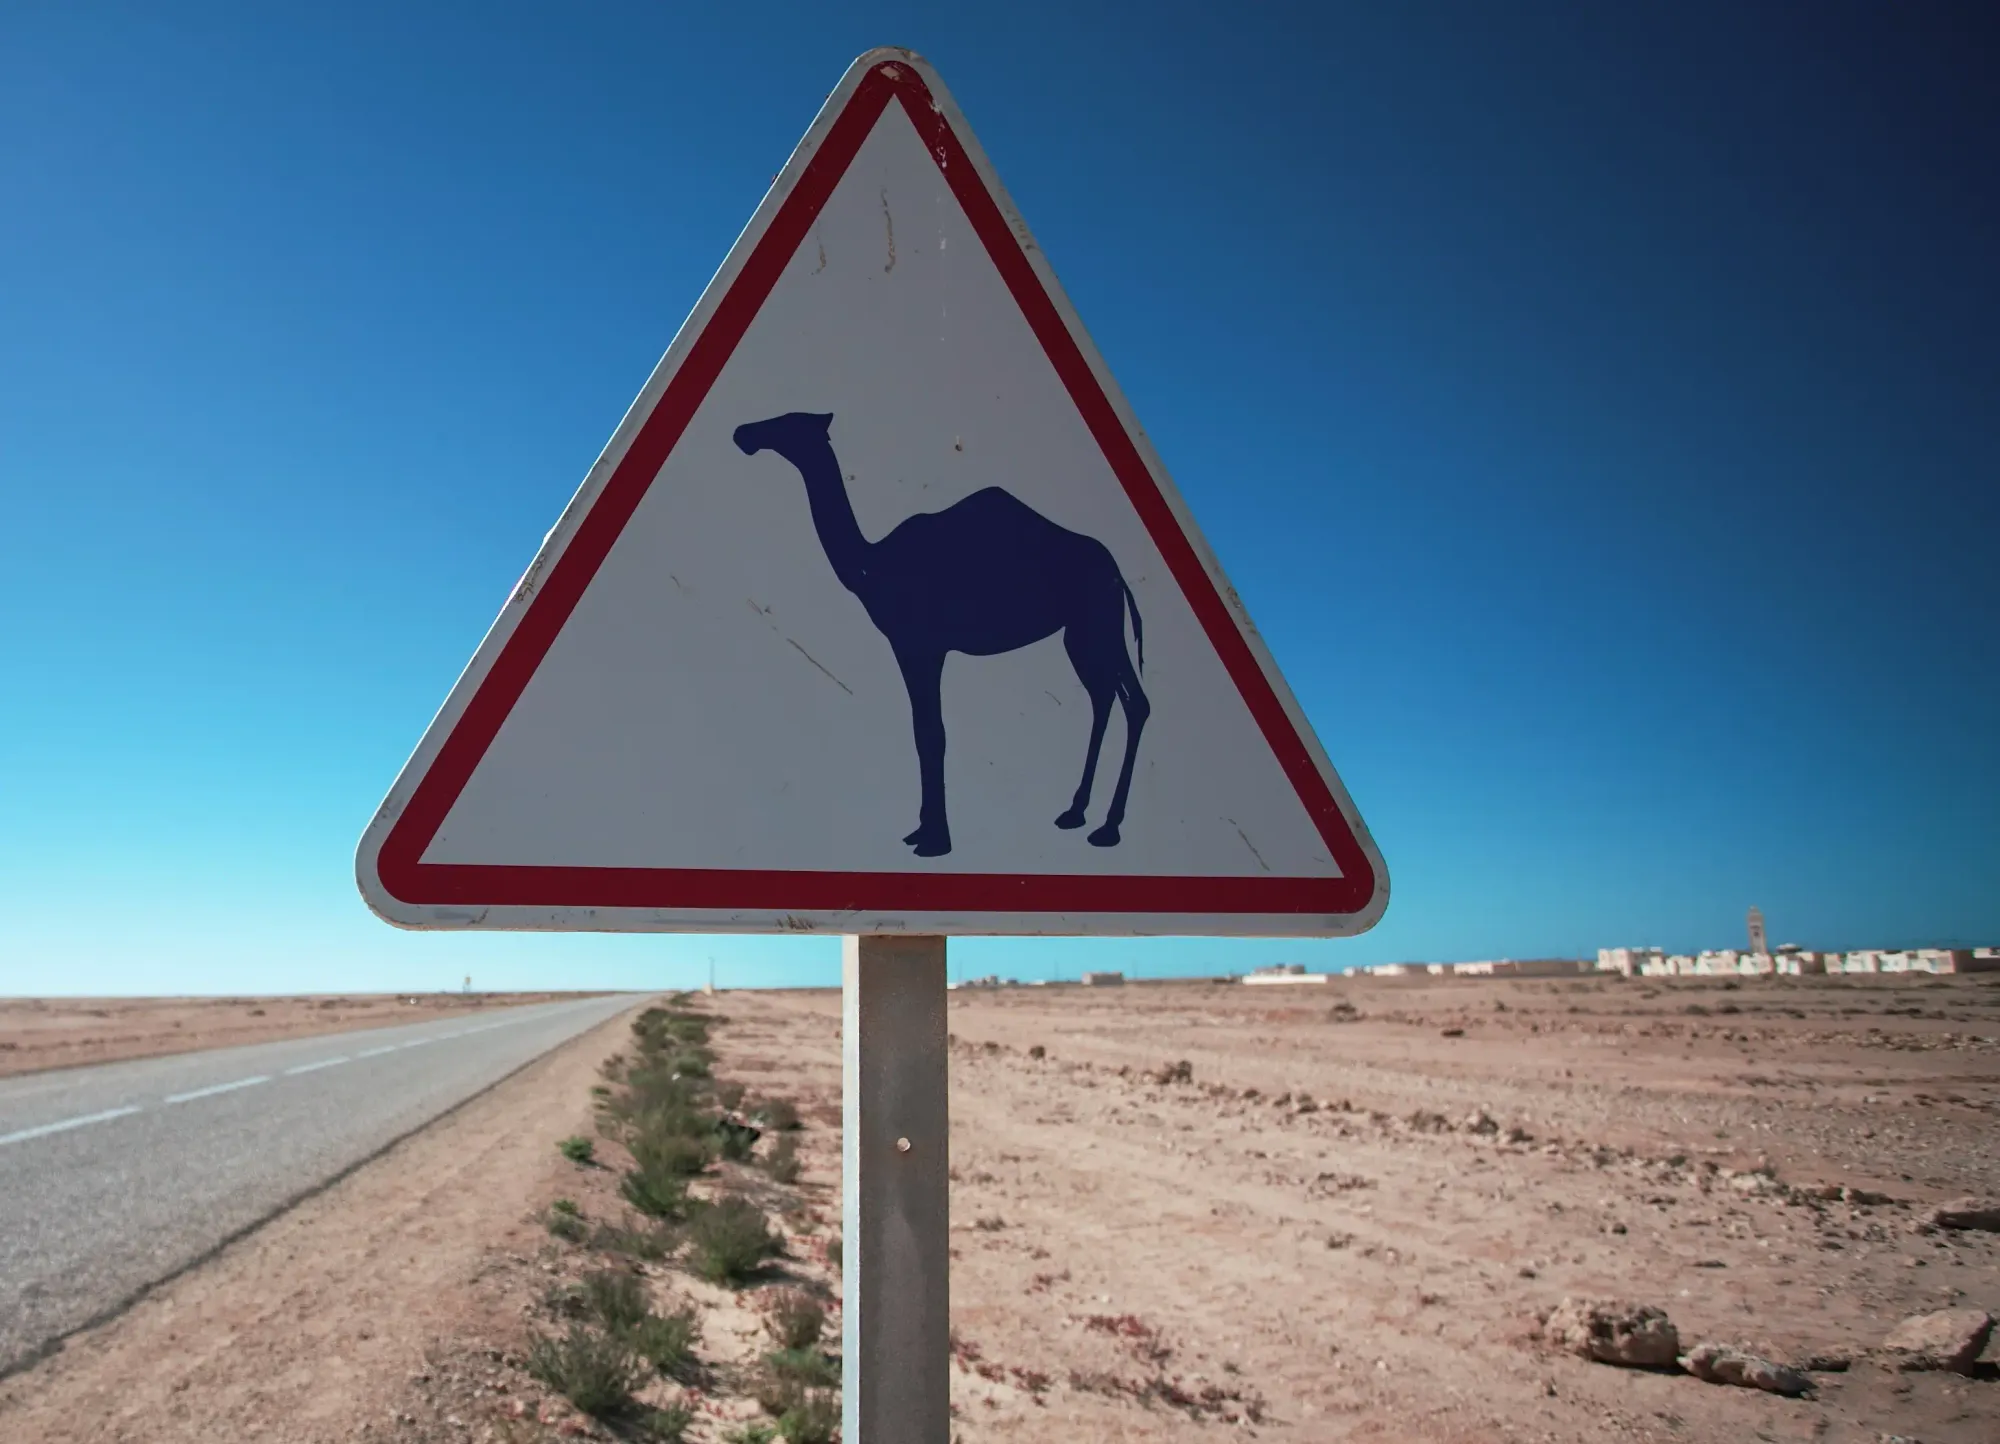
(780, 1114)
(667, 1342)
(794, 1319)
(651, 1242)
(815, 1419)
(782, 1162)
(730, 1240)
(594, 1371)
(615, 1298)
(656, 1194)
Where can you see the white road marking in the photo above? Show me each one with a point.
(65, 1125)
(315, 1067)
(218, 1088)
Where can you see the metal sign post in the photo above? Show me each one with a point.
(896, 1259)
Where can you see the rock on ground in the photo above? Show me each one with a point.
(1723, 1364)
(1968, 1213)
(1613, 1331)
(1948, 1339)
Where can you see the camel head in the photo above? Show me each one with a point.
(784, 434)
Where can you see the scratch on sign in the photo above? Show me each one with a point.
(1248, 843)
(830, 677)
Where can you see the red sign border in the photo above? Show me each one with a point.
(405, 876)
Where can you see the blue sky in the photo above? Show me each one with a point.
(1593, 408)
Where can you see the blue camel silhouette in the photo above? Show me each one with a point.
(988, 574)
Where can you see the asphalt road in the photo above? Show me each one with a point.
(114, 1177)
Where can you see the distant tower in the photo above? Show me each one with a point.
(1757, 944)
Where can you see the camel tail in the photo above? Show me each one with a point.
(1138, 628)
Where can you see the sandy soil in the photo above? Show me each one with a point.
(1343, 1221)
(1374, 1268)
(39, 1033)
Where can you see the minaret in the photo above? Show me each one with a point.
(1757, 943)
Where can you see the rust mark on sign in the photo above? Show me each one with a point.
(889, 225)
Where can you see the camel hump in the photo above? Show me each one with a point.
(996, 506)
(996, 500)
(994, 529)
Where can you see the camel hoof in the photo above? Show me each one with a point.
(929, 844)
(1105, 836)
(1070, 819)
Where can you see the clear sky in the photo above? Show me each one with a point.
(1595, 409)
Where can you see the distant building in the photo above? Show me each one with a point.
(1928, 960)
(1629, 961)
(1283, 973)
(1493, 968)
(1795, 961)
(1103, 980)
(1541, 968)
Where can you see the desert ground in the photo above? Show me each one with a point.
(41, 1033)
(1179, 1212)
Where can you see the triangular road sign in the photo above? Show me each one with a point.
(877, 614)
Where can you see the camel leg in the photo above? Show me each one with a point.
(924, 679)
(1100, 715)
(1137, 710)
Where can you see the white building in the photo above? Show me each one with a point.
(1928, 960)
(1516, 968)
(1629, 961)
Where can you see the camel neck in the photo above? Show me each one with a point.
(833, 516)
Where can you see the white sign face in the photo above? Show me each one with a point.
(877, 614)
